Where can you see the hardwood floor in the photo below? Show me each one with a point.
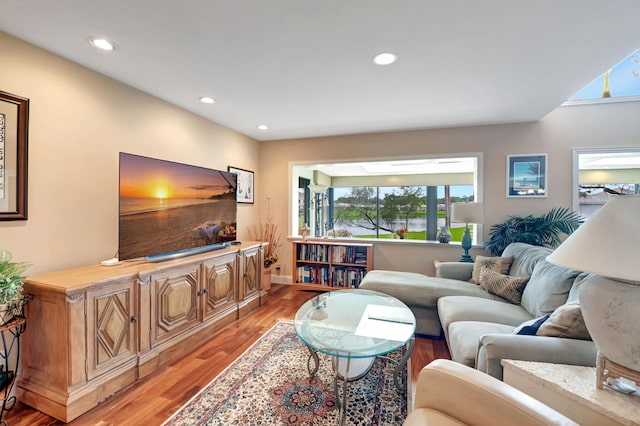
(155, 398)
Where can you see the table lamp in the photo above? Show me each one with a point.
(608, 244)
(467, 213)
(318, 191)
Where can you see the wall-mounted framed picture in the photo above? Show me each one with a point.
(244, 193)
(14, 127)
(527, 176)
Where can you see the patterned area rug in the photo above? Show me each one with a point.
(269, 385)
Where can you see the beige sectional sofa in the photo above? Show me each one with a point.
(479, 326)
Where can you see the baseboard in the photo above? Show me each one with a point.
(280, 279)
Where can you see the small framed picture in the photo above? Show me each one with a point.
(244, 193)
(527, 176)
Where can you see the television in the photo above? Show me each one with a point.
(167, 208)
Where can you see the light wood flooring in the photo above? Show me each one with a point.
(156, 397)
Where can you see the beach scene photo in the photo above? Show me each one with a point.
(167, 206)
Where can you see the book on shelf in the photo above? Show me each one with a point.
(313, 252)
(313, 274)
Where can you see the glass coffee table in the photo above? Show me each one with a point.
(354, 327)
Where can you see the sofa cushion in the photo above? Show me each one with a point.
(530, 328)
(508, 287)
(547, 288)
(566, 321)
(417, 289)
(525, 258)
(497, 264)
(574, 293)
(465, 338)
(465, 308)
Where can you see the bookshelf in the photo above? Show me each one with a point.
(329, 265)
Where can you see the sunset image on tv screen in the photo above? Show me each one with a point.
(167, 206)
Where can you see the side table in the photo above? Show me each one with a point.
(10, 333)
(571, 390)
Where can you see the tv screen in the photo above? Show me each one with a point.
(167, 206)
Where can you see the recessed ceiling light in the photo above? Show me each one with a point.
(384, 58)
(262, 127)
(207, 100)
(102, 43)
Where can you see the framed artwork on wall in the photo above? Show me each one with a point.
(14, 127)
(245, 185)
(527, 176)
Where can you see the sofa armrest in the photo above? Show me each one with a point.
(496, 347)
(454, 270)
(447, 390)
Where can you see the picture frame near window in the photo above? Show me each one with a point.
(14, 128)
(245, 192)
(527, 176)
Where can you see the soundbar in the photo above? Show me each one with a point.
(163, 257)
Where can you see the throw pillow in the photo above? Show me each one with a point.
(548, 288)
(497, 264)
(530, 328)
(505, 286)
(566, 321)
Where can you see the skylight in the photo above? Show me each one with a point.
(620, 83)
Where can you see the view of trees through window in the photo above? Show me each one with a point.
(396, 212)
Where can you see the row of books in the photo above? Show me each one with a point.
(349, 254)
(317, 253)
(339, 254)
(313, 274)
(340, 277)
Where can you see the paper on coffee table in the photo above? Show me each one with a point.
(386, 322)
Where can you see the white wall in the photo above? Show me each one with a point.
(79, 121)
(557, 134)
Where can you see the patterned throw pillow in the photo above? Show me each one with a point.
(565, 321)
(505, 286)
(497, 264)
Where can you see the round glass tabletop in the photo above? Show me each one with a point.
(354, 323)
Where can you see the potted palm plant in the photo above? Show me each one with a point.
(545, 230)
(10, 285)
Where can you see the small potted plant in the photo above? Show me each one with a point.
(402, 233)
(10, 285)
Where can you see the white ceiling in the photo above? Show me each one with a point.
(304, 67)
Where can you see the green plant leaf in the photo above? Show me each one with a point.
(545, 230)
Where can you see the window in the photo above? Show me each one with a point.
(620, 83)
(402, 212)
(601, 172)
(395, 199)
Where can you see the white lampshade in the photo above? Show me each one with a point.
(608, 243)
(317, 188)
(467, 212)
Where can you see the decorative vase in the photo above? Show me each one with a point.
(610, 311)
(444, 236)
(266, 278)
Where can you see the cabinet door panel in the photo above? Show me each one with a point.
(251, 272)
(176, 302)
(220, 285)
(109, 315)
